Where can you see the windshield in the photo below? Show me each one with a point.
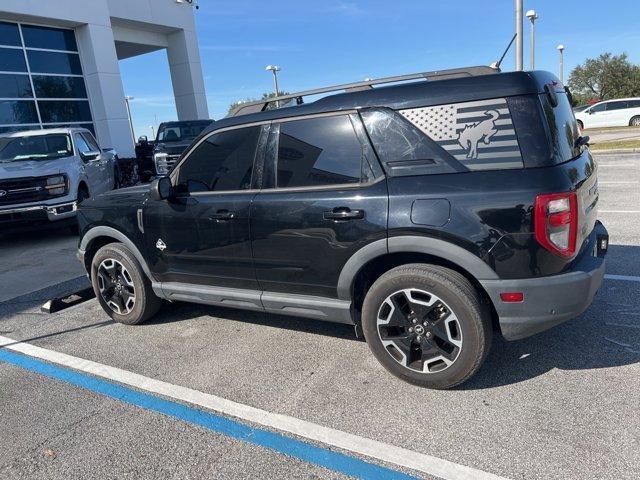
(37, 147)
(181, 132)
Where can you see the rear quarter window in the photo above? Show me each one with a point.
(563, 128)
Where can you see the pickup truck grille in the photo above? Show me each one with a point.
(23, 190)
(164, 164)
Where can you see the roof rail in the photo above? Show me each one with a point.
(275, 102)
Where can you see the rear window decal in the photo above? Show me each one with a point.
(479, 134)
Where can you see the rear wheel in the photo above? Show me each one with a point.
(427, 325)
(635, 121)
(121, 286)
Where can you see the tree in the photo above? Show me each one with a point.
(265, 96)
(606, 77)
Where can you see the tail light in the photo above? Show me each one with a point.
(556, 222)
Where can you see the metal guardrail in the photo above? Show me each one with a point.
(284, 100)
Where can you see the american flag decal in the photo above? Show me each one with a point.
(478, 134)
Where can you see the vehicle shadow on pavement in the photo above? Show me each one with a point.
(179, 311)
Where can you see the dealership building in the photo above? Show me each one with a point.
(59, 62)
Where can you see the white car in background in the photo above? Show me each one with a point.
(45, 174)
(622, 112)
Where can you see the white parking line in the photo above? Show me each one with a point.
(616, 165)
(618, 211)
(353, 443)
(618, 183)
(624, 278)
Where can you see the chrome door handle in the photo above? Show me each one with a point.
(222, 216)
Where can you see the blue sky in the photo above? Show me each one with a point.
(320, 43)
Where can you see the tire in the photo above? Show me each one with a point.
(121, 286)
(635, 121)
(580, 125)
(455, 335)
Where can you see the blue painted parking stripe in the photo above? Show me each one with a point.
(323, 457)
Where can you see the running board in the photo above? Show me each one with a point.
(307, 306)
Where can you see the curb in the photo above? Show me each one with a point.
(615, 150)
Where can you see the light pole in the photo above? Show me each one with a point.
(519, 27)
(533, 16)
(274, 69)
(561, 50)
(127, 99)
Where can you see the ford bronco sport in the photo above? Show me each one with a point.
(428, 213)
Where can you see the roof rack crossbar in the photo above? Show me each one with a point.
(260, 105)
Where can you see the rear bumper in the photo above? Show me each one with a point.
(549, 301)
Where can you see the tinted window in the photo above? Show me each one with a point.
(58, 111)
(181, 132)
(403, 148)
(634, 103)
(562, 126)
(18, 111)
(91, 141)
(318, 151)
(599, 108)
(35, 147)
(12, 60)
(81, 143)
(51, 38)
(54, 62)
(15, 86)
(9, 34)
(222, 162)
(616, 105)
(59, 87)
(19, 128)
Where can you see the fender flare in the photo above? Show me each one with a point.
(104, 231)
(411, 244)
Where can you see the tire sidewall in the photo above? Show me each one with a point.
(469, 319)
(118, 253)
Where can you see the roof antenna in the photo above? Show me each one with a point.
(497, 64)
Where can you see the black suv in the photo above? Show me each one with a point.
(427, 213)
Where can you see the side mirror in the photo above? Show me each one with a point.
(90, 155)
(161, 188)
(143, 139)
(590, 112)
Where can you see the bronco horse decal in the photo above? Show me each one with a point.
(474, 133)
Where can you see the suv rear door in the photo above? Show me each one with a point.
(323, 198)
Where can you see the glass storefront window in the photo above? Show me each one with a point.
(9, 34)
(50, 38)
(15, 86)
(59, 87)
(54, 62)
(60, 111)
(12, 60)
(17, 111)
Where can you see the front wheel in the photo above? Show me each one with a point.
(580, 125)
(427, 325)
(121, 286)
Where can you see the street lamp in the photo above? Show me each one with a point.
(274, 69)
(518, 8)
(533, 16)
(127, 99)
(561, 50)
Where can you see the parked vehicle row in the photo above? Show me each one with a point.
(46, 174)
(428, 214)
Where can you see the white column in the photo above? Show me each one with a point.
(104, 88)
(186, 75)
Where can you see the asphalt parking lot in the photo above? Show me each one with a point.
(219, 393)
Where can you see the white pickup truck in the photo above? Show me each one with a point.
(45, 174)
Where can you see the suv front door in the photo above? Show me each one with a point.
(94, 165)
(322, 199)
(201, 234)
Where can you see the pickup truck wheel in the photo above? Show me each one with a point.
(427, 325)
(121, 287)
